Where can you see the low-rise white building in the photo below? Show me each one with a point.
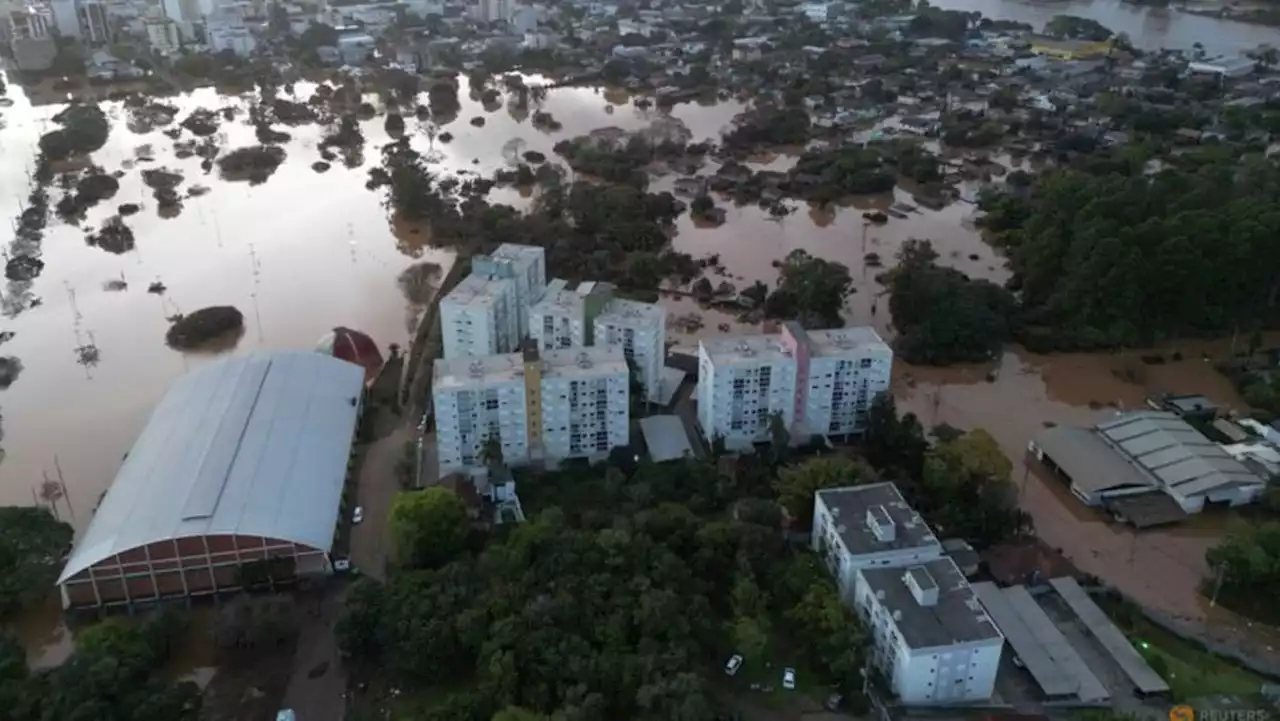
(869, 526)
(933, 640)
(640, 329)
(550, 406)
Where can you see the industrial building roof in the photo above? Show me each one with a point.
(1181, 458)
(956, 616)
(255, 446)
(1092, 464)
(1144, 678)
(1049, 674)
(849, 507)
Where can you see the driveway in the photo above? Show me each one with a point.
(377, 486)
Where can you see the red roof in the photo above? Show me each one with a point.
(356, 347)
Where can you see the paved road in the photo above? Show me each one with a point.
(377, 486)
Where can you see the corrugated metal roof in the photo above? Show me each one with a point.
(1144, 678)
(1048, 673)
(1092, 464)
(1180, 457)
(255, 445)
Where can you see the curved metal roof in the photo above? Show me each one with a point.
(255, 445)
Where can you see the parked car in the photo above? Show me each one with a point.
(342, 565)
(789, 678)
(733, 664)
(358, 515)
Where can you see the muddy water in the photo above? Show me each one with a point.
(1148, 28)
(304, 252)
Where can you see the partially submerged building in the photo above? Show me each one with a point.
(237, 478)
(1148, 467)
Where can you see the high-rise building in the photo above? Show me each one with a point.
(845, 369)
(95, 22)
(487, 312)
(562, 317)
(480, 317)
(490, 11)
(640, 329)
(528, 264)
(552, 405)
(817, 382)
(66, 18)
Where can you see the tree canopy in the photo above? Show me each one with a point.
(112, 675)
(605, 604)
(811, 290)
(33, 545)
(1248, 561)
(1119, 257)
(428, 527)
(796, 484)
(943, 316)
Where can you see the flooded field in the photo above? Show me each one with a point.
(306, 251)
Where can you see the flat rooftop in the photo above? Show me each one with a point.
(746, 349)
(518, 253)
(1112, 639)
(558, 299)
(477, 290)
(843, 341)
(666, 438)
(592, 361)
(956, 617)
(625, 312)
(849, 507)
(456, 373)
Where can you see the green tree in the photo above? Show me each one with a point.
(428, 527)
(811, 290)
(797, 484)
(515, 713)
(33, 545)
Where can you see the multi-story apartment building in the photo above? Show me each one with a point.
(486, 313)
(528, 267)
(563, 317)
(95, 22)
(585, 398)
(552, 405)
(933, 640)
(818, 382)
(641, 330)
(868, 527)
(846, 369)
(743, 382)
(480, 317)
(476, 399)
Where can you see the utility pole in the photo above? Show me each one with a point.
(1217, 586)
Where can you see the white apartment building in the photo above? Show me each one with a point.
(475, 399)
(163, 35)
(743, 381)
(66, 17)
(480, 317)
(555, 405)
(822, 382)
(528, 266)
(869, 526)
(585, 398)
(848, 369)
(933, 640)
(641, 330)
(95, 22)
(489, 11)
(562, 316)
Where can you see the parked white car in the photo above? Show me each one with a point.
(358, 515)
(733, 664)
(789, 678)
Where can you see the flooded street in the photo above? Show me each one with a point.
(305, 251)
(1148, 28)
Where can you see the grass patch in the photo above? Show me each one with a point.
(766, 673)
(1190, 670)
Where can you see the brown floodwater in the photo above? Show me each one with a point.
(306, 251)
